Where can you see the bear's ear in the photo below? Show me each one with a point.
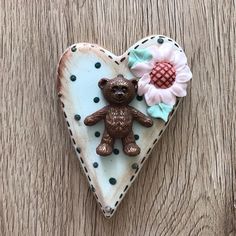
(135, 83)
(102, 82)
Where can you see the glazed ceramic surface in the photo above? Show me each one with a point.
(80, 68)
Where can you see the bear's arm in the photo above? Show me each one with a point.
(96, 116)
(141, 118)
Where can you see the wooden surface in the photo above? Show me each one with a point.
(188, 185)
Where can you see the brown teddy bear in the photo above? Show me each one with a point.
(118, 116)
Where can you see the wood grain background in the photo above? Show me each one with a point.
(188, 185)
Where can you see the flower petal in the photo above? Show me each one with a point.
(165, 53)
(179, 89)
(183, 75)
(152, 96)
(143, 84)
(155, 51)
(179, 60)
(167, 96)
(141, 68)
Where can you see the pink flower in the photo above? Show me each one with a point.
(164, 77)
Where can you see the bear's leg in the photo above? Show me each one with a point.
(129, 146)
(106, 146)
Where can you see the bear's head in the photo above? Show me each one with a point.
(118, 90)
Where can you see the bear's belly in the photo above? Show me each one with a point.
(118, 122)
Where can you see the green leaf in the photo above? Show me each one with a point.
(138, 55)
(160, 110)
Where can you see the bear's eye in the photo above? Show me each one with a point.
(115, 88)
(124, 89)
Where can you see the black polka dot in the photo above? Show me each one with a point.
(160, 40)
(136, 136)
(78, 149)
(139, 98)
(97, 65)
(77, 117)
(95, 165)
(73, 49)
(116, 151)
(73, 78)
(96, 99)
(112, 181)
(97, 134)
(134, 166)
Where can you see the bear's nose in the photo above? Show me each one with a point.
(119, 94)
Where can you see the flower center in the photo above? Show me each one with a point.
(163, 75)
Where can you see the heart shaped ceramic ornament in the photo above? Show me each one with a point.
(117, 107)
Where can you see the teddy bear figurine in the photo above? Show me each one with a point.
(118, 116)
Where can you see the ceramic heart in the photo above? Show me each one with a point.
(160, 66)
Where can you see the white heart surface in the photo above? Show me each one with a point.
(80, 68)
